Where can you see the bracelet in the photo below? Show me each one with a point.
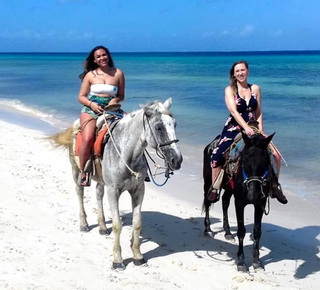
(90, 105)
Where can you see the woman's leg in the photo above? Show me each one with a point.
(88, 128)
(215, 172)
(276, 187)
(213, 194)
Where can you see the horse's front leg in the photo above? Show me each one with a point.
(113, 197)
(136, 199)
(225, 206)
(241, 265)
(258, 213)
(101, 218)
(84, 227)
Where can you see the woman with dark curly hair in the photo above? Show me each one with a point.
(102, 84)
(243, 101)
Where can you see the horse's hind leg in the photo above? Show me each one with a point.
(225, 206)
(258, 213)
(207, 179)
(137, 198)
(101, 218)
(207, 229)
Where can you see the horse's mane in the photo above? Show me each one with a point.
(151, 106)
(156, 106)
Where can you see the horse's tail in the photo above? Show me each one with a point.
(62, 139)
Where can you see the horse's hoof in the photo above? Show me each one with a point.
(104, 232)
(84, 229)
(229, 237)
(242, 268)
(258, 266)
(118, 266)
(209, 234)
(139, 262)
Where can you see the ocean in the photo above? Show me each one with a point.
(39, 90)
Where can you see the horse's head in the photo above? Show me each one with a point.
(160, 132)
(255, 166)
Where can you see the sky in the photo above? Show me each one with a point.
(159, 25)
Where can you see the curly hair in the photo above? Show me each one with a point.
(90, 65)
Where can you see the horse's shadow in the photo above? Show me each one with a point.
(299, 244)
(173, 234)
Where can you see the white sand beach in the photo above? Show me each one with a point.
(41, 246)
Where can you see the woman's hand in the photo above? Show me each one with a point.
(96, 108)
(249, 131)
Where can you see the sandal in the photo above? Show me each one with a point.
(213, 195)
(84, 178)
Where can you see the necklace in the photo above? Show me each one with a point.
(101, 74)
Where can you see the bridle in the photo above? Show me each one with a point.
(263, 182)
(159, 145)
(168, 170)
(261, 179)
(159, 152)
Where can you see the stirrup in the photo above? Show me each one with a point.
(213, 194)
(86, 180)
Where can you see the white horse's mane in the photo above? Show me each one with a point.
(155, 105)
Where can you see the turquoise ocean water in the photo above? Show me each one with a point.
(40, 91)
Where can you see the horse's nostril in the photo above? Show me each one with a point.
(176, 162)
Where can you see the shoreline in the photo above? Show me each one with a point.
(191, 170)
(41, 246)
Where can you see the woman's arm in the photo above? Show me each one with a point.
(258, 111)
(231, 105)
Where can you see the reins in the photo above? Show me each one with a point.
(168, 171)
(160, 154)
(136, 174)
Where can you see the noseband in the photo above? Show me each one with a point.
(261, 179)
(160, 145)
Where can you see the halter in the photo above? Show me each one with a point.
(261, 179)
(160, 145)
(159, 152)
(168, 171)
(263, 182)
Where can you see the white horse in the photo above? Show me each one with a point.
(124, 168)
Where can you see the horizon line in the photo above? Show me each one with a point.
(202, 51)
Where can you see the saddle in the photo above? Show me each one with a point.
(104, 126)
(231, 156)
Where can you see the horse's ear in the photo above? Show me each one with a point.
(168, 103)
(267, 140)
(245, 138)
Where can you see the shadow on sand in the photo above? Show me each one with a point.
(173, 234)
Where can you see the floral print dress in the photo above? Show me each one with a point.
(232, 128)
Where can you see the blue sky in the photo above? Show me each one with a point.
(159, 25)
